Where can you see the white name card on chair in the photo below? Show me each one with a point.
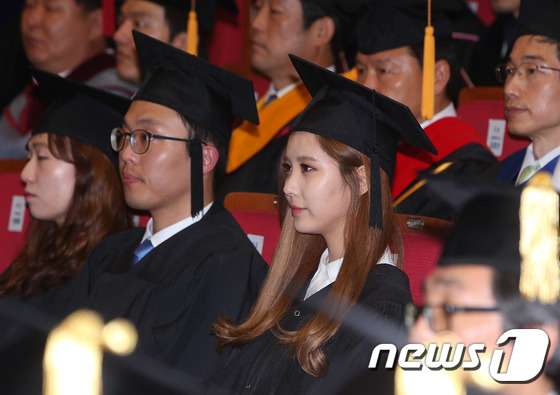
(17, 214)
(257, 241)
(495, 136)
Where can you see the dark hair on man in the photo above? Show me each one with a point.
(197, 131)
(445, 50)
(312, 12)
(516, 311)
(177, 22)
(551, 41)
(89, 5)
(520, 313)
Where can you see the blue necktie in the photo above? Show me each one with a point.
(141, 251)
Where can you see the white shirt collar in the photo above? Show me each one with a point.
(279, 93)
(171, 230)
(334, 267)
(448, 111)
(543, 161)
(530, 160)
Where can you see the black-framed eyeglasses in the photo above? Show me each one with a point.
(139, 140)
(528, 70)
(438, 316)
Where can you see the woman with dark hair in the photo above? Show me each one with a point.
(72, 186)
(335, 247)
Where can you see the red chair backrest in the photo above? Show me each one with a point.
(423, 240)
(421, 256)
(486, 116)
(257, 215)
(262, 228)
(14, 218)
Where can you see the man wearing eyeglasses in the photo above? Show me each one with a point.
(475, 291)
(532, 95)
(192, 263)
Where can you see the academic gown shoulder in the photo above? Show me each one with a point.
(471, 160)
(178, 290)
(447, 135)
(258, 174)
(265, 366)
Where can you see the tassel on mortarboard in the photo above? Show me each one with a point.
(428, 77)
(197, 186)
(192, 31)
(538, 245)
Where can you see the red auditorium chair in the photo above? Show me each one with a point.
(483, 108)
(14, 216)
(423, 239)
(257, 215)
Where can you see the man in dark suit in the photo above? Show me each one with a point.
(532, 95)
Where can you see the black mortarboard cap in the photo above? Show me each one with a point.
(201, 91)
(80, 111)
(382, 26)
(361, 118)
(205, 10)
(487, 226)
(543, 21)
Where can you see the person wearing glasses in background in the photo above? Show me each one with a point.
(479, 289)
(192, 263)
(532, 96)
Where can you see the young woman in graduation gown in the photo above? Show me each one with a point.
(334, 252)
(72, 186)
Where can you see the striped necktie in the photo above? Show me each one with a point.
(141, 251)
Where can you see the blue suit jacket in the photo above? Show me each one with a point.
(511, 166)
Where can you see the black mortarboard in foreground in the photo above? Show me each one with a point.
(361, 118)
(80, 111)
(25, 332)
(207, 94)
(513, 230)
(486, 230)
(544, 20)
(205, 10)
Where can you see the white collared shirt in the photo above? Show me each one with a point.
(530, 159)
(448, 111)
(334, 267)
(279, 93)
(171, 230)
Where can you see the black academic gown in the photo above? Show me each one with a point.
(178, 290)
(264, 367)
(258, 174)
(470, 160)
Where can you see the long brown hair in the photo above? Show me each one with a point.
(53, 254)
(297, 256)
